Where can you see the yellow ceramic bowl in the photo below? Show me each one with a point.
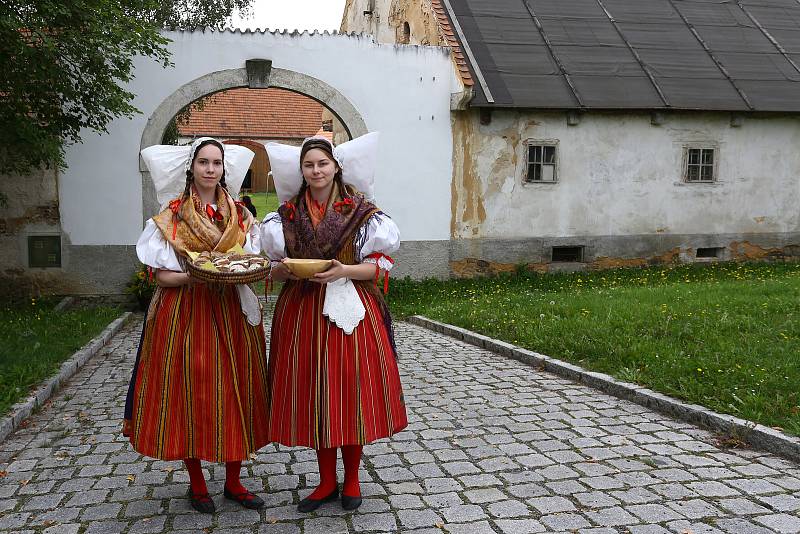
(306, 268)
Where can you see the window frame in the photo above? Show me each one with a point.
(543, 143)
(714, 165)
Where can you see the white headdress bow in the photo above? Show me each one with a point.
(357, 159)
(168, 165)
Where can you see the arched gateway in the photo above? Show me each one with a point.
(257, 74)
(402, 91)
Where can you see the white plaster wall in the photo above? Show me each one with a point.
(620, 175)
(401, 91)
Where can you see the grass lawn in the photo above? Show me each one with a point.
(35, 340)
(725, 335)
(264, 203)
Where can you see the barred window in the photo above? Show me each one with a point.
(541, 163)
(700, 165)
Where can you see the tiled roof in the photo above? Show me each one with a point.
(452, 42)
(256, 113)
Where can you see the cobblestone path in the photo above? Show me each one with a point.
(493, 446)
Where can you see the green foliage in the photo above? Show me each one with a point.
(725, 335)
(172, 133)
(35, 340)
(64, 62)
(142, 285)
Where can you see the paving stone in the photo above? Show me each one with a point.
(694, 509)
(508, 508)
(648, 529)
(520, 526)
(741, 526)
(462, 513)
(712, 489)
(88, 497)
(564, 522)
(395, 474)
(654, 513)
(148, 525)
(410, 519)
(193, 521)
(780, 522)
(551, 505)
(781, 503)
(144, 508)
(493, 446)
(15, 520)
(523, 491)
(404, 502)
(238, 518)
(481, 496)
(384, 522)
(441, 485)
(279, 528)
(443, 500)
(696, 527)
(44, 502)
(106, 527)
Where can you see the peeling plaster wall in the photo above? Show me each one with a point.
(620, 177)
(30, 208)
(387, 18)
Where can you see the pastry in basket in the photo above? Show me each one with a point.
(235, 260)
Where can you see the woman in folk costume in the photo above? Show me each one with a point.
(198, 390)
(333, 377)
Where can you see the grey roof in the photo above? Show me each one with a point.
(633, 54)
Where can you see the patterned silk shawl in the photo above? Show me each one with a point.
(335, 233)
(188, 228)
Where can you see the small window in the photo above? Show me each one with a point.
(700, 165)
(44, 251)
(708, 252)
(567, 254)
(405, 33)
(541, 163)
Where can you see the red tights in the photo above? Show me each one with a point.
(198, 482)
(326, 459)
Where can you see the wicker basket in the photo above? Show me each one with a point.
(211, 277)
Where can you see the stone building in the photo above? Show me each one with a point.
(603, 133)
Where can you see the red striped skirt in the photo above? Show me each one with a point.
(327, 388)
(199, 387)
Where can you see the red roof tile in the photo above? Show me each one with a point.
(255, 113)
(452, 42)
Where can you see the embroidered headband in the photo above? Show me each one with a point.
(168, 165)
(356, 158)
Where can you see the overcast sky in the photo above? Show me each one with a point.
(292, 15)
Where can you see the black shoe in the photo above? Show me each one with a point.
(350, 503)
(202, 502)
(309, 505)
(246, 499)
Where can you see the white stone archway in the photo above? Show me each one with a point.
(257, 74)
